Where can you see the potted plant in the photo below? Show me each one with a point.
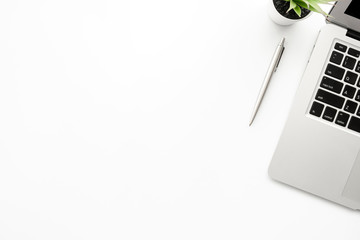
(286, 12)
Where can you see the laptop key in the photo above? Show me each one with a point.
(329, 114)
(340, 47)
(316, 109)
(342, 119)
(357, 97)
(329, 98)
(350, 106)
(358, 112)
(349, 91)
(349, 62)
(334, 71)
(354, 52)
(357, 69)
(336, 57)
(331, 84)
(354, 124)
(350, 77)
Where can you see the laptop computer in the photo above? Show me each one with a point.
(319, 148)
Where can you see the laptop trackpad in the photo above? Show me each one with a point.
(352, 187)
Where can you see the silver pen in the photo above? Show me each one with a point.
(272, 68)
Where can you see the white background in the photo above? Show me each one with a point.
(129, 120)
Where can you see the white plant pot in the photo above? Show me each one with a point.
(280, 19)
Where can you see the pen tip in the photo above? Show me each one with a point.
(283, 40)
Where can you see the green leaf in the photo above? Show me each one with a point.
(317, 8)
(312, 5)
(292, 6)
(304, 4)
(297, 10)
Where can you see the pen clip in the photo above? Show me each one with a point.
(278, 61)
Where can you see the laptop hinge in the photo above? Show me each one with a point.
(353, 34)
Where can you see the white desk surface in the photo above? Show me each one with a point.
(129, 120)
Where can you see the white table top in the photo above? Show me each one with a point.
(129, 120)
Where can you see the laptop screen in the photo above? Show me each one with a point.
(346, 13)
(354, 9)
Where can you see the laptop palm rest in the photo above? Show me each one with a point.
(352, 189)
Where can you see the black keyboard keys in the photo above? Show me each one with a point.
(357, 69)
(337, 99)
(349, 62)
(316, 109)
(340, 47)
(329, 114)
(329, 98)
(351, 77)
(335, 71)
(354, 52)
(336, 57)
(331, 84)
(349, 91)
(354, 124)
(350, 106)
(342, 119)
(357, 97)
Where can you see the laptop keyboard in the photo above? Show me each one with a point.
(337, 99)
